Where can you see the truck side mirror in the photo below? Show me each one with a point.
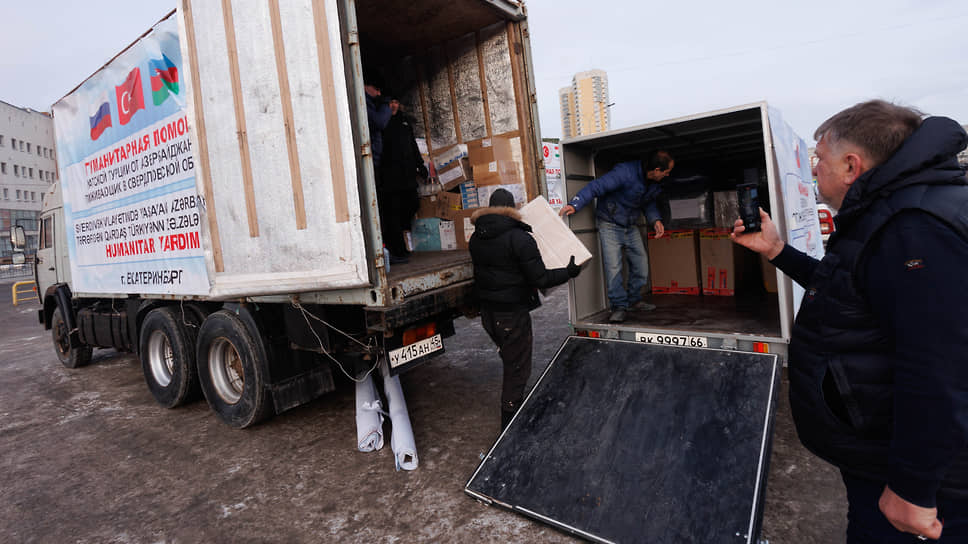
(18, 238)
(18, 241)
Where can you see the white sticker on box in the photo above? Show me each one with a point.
(448, 236)
(450, 175)
(468, 229)
(492, 166)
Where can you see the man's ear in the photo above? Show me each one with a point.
(856, 165)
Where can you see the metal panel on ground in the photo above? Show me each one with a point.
(628, 442)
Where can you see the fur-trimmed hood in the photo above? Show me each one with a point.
(491, 222)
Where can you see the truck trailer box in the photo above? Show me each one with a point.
(218, 192)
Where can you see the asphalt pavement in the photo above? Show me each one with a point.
(87, 456)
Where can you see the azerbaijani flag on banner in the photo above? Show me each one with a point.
(100, 116)
(164, 78)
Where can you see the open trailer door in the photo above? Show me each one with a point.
(630, 442)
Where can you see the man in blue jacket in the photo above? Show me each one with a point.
(623, 193)
(878, 370)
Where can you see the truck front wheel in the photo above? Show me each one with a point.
(168, 356)
(71, 357)
(231, 369)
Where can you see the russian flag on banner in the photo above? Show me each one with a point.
(100, 116)
(164, 78)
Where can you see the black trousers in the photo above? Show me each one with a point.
(397, 209)
(511, 332)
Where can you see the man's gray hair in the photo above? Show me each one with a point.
(877, 127)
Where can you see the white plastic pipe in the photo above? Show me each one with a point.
(369, 420)
(404, 448)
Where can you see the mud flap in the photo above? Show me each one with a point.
(630, 442)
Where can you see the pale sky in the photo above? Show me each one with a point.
(663, 59)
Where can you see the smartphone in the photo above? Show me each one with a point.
(749, 206)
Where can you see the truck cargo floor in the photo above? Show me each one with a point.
(754, 314)
(422, 262)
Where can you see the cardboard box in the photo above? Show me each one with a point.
(717, 258)
(468, 195)
(693, 212)
(443, 158)
(442, 205)
(726, 204)
(456, 173)
(496, 173)
(769, 275)
(556, 241)
(463, 227)
(516, 189)
(448, 205)
(433, 234)
(495, 148)
(673, 263)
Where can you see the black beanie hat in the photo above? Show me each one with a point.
(501, 198)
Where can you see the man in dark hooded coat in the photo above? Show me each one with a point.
(508, 271)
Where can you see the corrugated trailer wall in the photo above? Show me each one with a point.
(467, 88)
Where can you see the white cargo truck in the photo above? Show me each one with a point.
(217, 212)
(739, 302)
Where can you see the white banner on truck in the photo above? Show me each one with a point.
(130, 204)
(800, 201)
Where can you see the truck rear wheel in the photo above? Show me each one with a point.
(71, 357)
(231, 369)
(168, 356)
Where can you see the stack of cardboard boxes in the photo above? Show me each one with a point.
(702, 260)
(466, 175)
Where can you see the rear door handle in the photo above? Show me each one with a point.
(51, 269)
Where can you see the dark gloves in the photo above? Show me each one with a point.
(573, 269)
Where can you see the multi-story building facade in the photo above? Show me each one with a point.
(584, 105)
(27, 168)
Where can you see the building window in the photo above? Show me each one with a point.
(3, 168)
(31, 170)
(21, 145)
(18, 194)
(13, 143)
(33, 196)
(16, 170)
(1, 139)
(6, 193)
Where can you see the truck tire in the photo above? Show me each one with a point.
(231, 368)
(167, 343)
(71, 357)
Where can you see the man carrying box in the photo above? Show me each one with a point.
(508, 271)
(623, 193)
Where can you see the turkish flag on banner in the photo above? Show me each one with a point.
(130, 96)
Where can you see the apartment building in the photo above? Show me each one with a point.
(27, 167)
(584, 105)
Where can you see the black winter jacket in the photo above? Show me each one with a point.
(878, 376)
(401, 163)
(508, 270)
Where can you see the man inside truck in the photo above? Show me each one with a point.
(623, 193)
(878, 380)
(400, 167)
(508, 271)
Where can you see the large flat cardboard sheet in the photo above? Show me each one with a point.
(630, 442)
(556, 242)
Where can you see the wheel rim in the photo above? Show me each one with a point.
(160, 358)
(225, 368)
(62, 340)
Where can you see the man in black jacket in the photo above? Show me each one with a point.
(400, 165)
(878, 376)
(508, 271)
